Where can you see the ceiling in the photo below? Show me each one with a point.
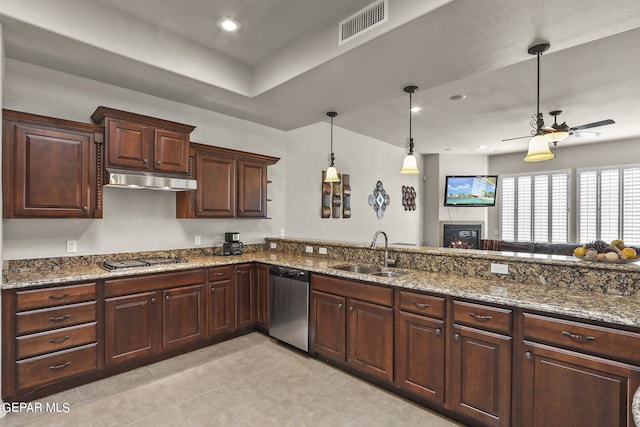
(284, 68)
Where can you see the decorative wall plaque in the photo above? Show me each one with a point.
(336, 197)
(379, 200)
(408, 198)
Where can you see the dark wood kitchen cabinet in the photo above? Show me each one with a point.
(221, 307)
(420, 345)
(262, 296)
(352, 324)
(143, 143)
(168, 311)
(481, 363)
(51, 167)
(565, 384)
(245, 295)
(231, 183)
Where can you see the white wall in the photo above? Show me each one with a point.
(134, 220)
(366, 160)
(607, 153)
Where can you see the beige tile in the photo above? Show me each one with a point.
(171, 416)
(113, 385)
(76, 417)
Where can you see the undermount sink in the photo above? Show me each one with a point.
(389, 274)
(357, 268)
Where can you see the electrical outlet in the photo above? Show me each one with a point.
(322, 251)
(282, 233)
(499, 268)
(308, 249)
(198, 240)
(72, 246)
(273, 245)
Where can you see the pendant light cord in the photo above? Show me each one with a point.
(410, 137)
(539, 125)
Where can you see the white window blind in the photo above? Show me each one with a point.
(535, 207)
(609, 204)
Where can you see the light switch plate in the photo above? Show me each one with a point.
(322, 251)
(198, 240)
(72, 246)
(273, 245)
(308, 249)
(499, 268)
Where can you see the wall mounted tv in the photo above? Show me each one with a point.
(478, 190)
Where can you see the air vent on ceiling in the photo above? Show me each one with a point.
(363, 20)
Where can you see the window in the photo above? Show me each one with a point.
(535, 207)
(609, 204)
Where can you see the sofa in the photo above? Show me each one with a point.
(531, 247)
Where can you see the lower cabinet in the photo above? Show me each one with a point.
(183, 316)
(245, 296)
(353, 327)
(221, 307)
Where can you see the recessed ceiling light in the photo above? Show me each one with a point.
(457, 97)
(229, 24)
(416, 108)
(482, 146)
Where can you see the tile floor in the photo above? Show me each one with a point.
(247, 381)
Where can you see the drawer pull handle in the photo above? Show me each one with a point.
(61, 366)
(59, 340)
(218, 274)
(578, 337)
(419, 305)
(480, 317)
(58, 296)
(59, 318)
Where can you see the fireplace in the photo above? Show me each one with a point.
(466, 236)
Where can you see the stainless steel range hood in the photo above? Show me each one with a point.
(150, 181)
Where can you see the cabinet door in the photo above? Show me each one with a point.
(420, 356)
(565, 388)
(132, 327)
(262, 296)
(328, 325)
(245, 296)
(171, 151)
(183, 316)
(52, 173)
(222, 307)
(481, 375)
(128, 145)
(216, 193)
(370, 339)
(252, 189)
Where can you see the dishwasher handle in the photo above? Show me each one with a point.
(290, 273)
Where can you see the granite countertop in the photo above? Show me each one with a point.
(614, 309)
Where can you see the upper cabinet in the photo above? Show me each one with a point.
(143, 143)
(50, 167)
(231, 183)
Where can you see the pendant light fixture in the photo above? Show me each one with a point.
(332, 173)
(410, 165)
(539, 144)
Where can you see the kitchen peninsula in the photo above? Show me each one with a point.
(547, 308)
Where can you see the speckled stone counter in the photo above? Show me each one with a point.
(585, 304)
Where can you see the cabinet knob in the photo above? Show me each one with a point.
(84, 208)
(438, 331)
(528, 355)
(167, 297)
(457, 337)
(340, 305)
(351, 308)
(153, 300)
(145, 161)
(158, 162)
(212, 289)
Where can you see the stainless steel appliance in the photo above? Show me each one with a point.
(289, 306)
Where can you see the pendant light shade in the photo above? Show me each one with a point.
(410, 164)
(332, 173)
(539, 149)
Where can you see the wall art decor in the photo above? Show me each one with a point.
(336, 200)
(326, 197)
(346, 196)
(336, 197)
(379, 200)
(408, 198)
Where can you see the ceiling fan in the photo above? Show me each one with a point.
(557, 131)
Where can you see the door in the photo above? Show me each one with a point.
(183, 316)
(252, 189)
(370, 339)
(132, 327)
(128, 145)
(481, 375)
(262, 296)
(216, 192)
(52, 173)
(222, 303)
(420, 356)
(245, 296)
(171, 151)
(328, 325)
(565, 388)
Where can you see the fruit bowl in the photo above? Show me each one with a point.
(607, 261)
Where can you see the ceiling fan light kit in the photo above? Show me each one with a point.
(539, 149)
(410, 164)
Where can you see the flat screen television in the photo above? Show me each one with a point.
(470, 190)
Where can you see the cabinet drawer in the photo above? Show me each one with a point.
(422, 304)
(28, 300)
(58, 339)
(56, 366)
(362, 291)
(55, 317)
(596, 339)
(152, 282)
(220, 273)
(482, 316)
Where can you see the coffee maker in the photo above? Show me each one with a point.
(232, 244)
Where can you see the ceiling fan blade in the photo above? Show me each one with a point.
(585, 134)
(594, 124)
(519, 137)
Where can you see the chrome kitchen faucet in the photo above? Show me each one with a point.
(387, 260)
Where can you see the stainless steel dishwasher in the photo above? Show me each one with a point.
(289, 306)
